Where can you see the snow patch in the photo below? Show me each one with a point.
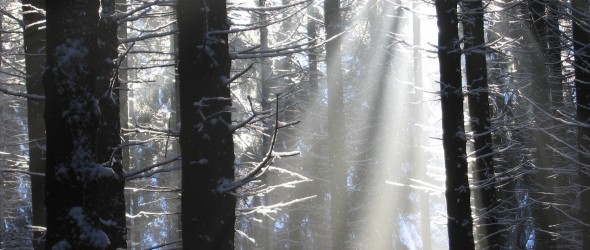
(61, 245)
(93, 237)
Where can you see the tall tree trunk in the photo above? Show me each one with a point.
(123, 73)
(206, 143)
(581, 39)
(460, 223)
(108, 152)
(479, 116)
(71, 117)
(338, 167)
(34, 42)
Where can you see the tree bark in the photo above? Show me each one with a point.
(460, 223)
(71, 117)
(479, 116)
(34, 42)
(338, 167)
(206, 143)
(108, 151)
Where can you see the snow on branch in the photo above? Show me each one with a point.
(251, 54)
(148, 36)
(146, 214)
(141, 172)
(233, 78)
(234, 127)
(255, 27)
(273, 208)
(22, 172)
(271, 8)
(228, 185)
(16, 19)
(143, 9)
(147, 129)
(159, 171)
(19, 94)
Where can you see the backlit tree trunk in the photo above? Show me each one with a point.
(112, 198)
(71, 116)
(34, 41)
(479, 115)
(460, 223)
(206, 143)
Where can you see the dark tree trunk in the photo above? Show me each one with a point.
(338, 167)
(479, 115)
(460, 222)
(205, 138)
(71, 117)
(581, 39)
(111, 194)
(34, 42)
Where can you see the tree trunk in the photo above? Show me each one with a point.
(71, 117)
(121, 6)
(34, 42)
(206, 143)
(460, 223)
(112, 198)
(581, 39)
(479, 115)
(338, 167)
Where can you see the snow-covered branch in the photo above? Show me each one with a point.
(19, 94)
(238, 75)
(230, 186)
(271, 8)
(134, 174)
(22, 172)
(234, 127)
(148, 36)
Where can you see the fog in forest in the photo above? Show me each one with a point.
(359, 124)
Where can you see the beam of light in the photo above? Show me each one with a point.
(390, 207)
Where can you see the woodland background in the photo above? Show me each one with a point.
(335, 124)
